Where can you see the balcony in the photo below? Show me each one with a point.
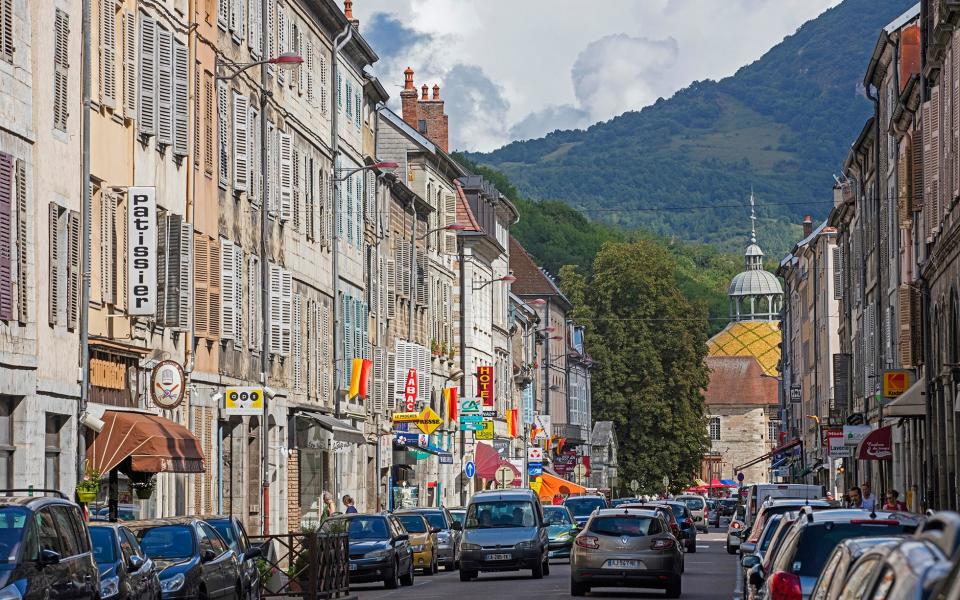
(574, 434)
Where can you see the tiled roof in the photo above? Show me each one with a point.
(759, 339)
(739, 380)
(531, 280)
(464, 214)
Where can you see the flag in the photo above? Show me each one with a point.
(512, 422)
(365, 376)
(450, 397)
(561, 444)
(359, 374)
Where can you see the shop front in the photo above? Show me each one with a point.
(319, 439)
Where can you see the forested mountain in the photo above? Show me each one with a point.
(684, 166)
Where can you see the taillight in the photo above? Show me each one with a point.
(785, 586)
(687, 522)
(675, 528)
(588, 541)
(735, 525)
(661, 544)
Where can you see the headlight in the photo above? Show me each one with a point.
(109, 586)
(467, 547)
(14, 591)
(417, 548)
(172, 584)
(378, 553)
(531, 545)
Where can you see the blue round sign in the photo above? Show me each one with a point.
(470, 469)
(740, 477)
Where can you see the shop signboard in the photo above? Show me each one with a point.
(142, 251)
(445, 458)
(410, 391)
(854, 434)
(541, 428)
(835, 445)
(243, 401)
(485, 385)
(168, 385)
(486, 432)
(896, 382)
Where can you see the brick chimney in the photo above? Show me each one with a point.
(408, 99)
(807, 225)
(348, 13)
(425, 114)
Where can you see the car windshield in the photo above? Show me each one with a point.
(693, 503)
(103, 544)
(679, 510)
(818, 541)
(13, 519)
(768, 532)
(728, 503)
(621, 525)
(505, 513)
(557, 515)
(436, 520)
(413, 523)
(360, 528)
(226, 532)
(167, 541)
(582, 507)
(459, 515)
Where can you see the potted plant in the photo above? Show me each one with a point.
(144, 489)
(434, 347)
(88, 487)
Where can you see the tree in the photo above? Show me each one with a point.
(648, 343)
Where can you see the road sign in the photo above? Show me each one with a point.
(666, 481)
(445, 458)
(579, 472)
(486, 433)
(634, 485)
(410, 391)
(505, 476)
(405, 417)
(471, 418)
(896, 382)
(740, 477)
(243, 401)
(429, 420)
(534, 469)
(470, 469)
(534, 454)
(490, 414)
(795, 393)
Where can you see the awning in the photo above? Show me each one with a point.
(153, 444)
(551, 485)
(341, 431)
(878, 445)
(729, 483)
(787, 446)
(910, 404)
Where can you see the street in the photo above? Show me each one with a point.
(710, 573)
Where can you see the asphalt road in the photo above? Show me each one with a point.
(710, 573)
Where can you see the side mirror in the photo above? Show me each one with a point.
(403, 537)
(253, 552)
(207, 555)
(456, 526)
(434, 530)
(750, 561)
(747, 548)
(49, 557)
(134, 563)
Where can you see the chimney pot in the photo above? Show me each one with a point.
(436, 92)
(408, 79)
(423, 91)
(807, 225)
(348, 9)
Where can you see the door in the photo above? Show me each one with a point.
(251, 576)
(139, 580)
(28, 566)
(404, 553)
(56, 577)
(224, 566)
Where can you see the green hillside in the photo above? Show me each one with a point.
(684, 167)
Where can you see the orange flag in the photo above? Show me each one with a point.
(450, 395)
(512, 422)
(359, 374)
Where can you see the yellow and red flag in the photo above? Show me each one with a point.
(450, 397)
(512, 422)
(359, 375)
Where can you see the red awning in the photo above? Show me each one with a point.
(153, 444)
(878, 445)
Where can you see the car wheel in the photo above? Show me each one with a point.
(238, 591)
(407, 580)
(674, 588)
(546, 566)
(692, 546)
(202, 593)
(538, 571)
(391, 580)
(578, 589)
(467, 575)
(731, 549)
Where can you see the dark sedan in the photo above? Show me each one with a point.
(379, 548)
(125, 571)
(193, 559)
(688, 530)
(232, 531)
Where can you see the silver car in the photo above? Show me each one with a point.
(504, 530)
(626, 548)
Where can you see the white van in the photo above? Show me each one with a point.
(759, 492)
(698, 508)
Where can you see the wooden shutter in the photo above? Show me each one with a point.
(358, 320)
(201, 322)
(391, 276)
(297, 341)
(181, 98)
(73, 269)
(108, 217)
(268, 191)
(20, 199)
(6, 236)
(391, 385)
(326, 347)
(164, 87)
(208, 119)
(286, 309)
(53, 261)
(223, 14)
(836, 256)
(309, 198)
(311, 88)
(130, 64)
(61, 65)
(223, 155)
(253, 158)
(423, 289)
(905, 314)
(241, 167)
(423, 374)
(255, 37)
(240, 29)
(197, 116)
(108, 53)
(281, 38)
(935, 164)
(450, 218)
(213, 288)
(285, 158)
(228, 285)
(928, 174)
(301, 68)
(275, 341)
(255, 318)
(184, 277)
(6, 36)
(904, 184)
(373, 279)
(147, 94)
(319, 366)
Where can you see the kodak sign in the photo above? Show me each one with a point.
(485, 384)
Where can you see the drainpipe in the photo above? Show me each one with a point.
(878, 193)
(413, 272)
(463, 357)
(86, 233)
(264, 283)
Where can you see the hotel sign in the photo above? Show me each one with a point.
(485, 385)
(141, 251)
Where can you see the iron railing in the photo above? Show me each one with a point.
(309, 566)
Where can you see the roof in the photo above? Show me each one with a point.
(602, 433)
(755, 283)
(739, 380)
(398, 122)
(759, 339)
(531, 280)
(464, 214)
(845, 515)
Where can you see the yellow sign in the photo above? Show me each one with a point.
(535, 486)
(895, 383)
(486, 433)
(243, 401)
(429, 421)
(406, 417)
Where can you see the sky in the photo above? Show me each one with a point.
(518, 69)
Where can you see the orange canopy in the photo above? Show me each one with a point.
(550, 486)
(152, 443)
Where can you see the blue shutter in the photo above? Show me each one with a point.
(350, 210)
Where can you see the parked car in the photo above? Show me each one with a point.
(838, 567)
(235, 535)
(758, 493)
(626, 548)
(668, 514)
(752, 560)
(621, 501)
(811, 538)
(698, 509)
(126, 573)
(726, 508)
(772, 507)
(423, 540)
(458, 513)
(125, 512)
(45, 547)
(561, 530)
(735, 530)
(713, 515)
(380, 548)
(448, 536)
(194, 561)
(688, 531)
(582, 506)
(504, 530)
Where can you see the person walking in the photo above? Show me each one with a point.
(329, 507)
(869, 500)
(893, 502)
(348, 503)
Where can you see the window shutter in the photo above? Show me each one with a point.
(379, 387)
(916, 325)
(391, 381)
(201, 324)
(358, 99)
(285, 151)
(286, 309)
(185, 259)
(108, 215)
(297, 343)
(6, 236)
(208, 120)
(6, 37)
(164, 86)
(276, 310)
(130, 64)
(296, 193)
(308, 198)
(281, 38)
(254, 320)
(358, 324)
(339, 91)
(20, 187)
(241, 30)
(904, 187)
(227, 290)
(61, 65)
(181, 98)
(905, 313)
(108, 53)
(223, 13)
(302, 69)
(450, 218)
(72, 269)
(837, 253)
(269, 189)
(237, 323)
(271, 9)
(241, 112)
(223, 155)
(317, 347)
(935, 162)
(373, 279)
(255, 39)
(349, 212)
(255, 177)
(162, 267)
(391, 289)
(311, 89)
(928, 174)
(349, 100)
(871, 345)
(423, 289)
(423, 375)
(326, 343)
(53, 277)
(323, 83)
(214, 290)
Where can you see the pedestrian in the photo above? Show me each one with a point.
(854, 499)
(869, 500)
(893, 502)
(348, 503)
(329, 507)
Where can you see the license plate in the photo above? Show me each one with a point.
(499, 556)
(353, 566)
(622, 564)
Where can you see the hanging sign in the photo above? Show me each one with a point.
(243, 401)
(485, 385)
(141, 251)
(405, 417)
(428, 420)
(167, 385)
(410, 391)
(486, 433)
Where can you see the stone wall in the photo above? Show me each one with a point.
(743, 437)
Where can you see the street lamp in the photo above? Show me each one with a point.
(286, 61)
(505, 279)
(377, 165)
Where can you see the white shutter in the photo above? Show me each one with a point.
(130, 64)
(241, 112)
(228, 286)
(269, 187)
(108, 218)
(286, 301)
(255, 180)
(423, 376)
(147, 96)
(164, 87)
(281, 38)
(391, 276)
(223, 155)
(275, 342)
(370, 197)
(301, 69)
(325, 342)
(61, 65)
(186, 257)
(223, 13)
(181, 97)
(296, 334)
(323, 82)
(255, 39)
(311, 98)
(238, 297)
(108, 53)
(285, 143)
(390, 377)
(254, 321)
(836, 254)
(379, 387)
(241, 30)
(450, 218)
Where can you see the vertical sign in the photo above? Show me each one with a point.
(841, 383)
(485, 385)
(141, 251)
(410, 391)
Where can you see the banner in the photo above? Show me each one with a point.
(451, 403)
(485, 385)
(359, 375)
(410, 391)
(141, 251)
(878, 445)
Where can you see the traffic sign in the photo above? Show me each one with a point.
(470, 469)
(534, 469)
(429, 420)
(486, 433)
(634, 485)
(535, 454)
(505, 476)
(740, 477)
(445, 458)
(580, 472)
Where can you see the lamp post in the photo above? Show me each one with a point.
(287, 61)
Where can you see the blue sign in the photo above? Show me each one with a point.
(445, 458)
(740, 477)
(472, 426)
(471, 418)
(534, 469)
(470, 469)
(410, 439)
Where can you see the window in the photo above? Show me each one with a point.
(61, 65)
(13, 239)
(48, 536)
(215, 540)
(422, 126)
(108, 53)
(174, 280)
(6, 36)
(715, 429)
(69, 536)
(773, 431)
(51, 463)
(7, 447)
